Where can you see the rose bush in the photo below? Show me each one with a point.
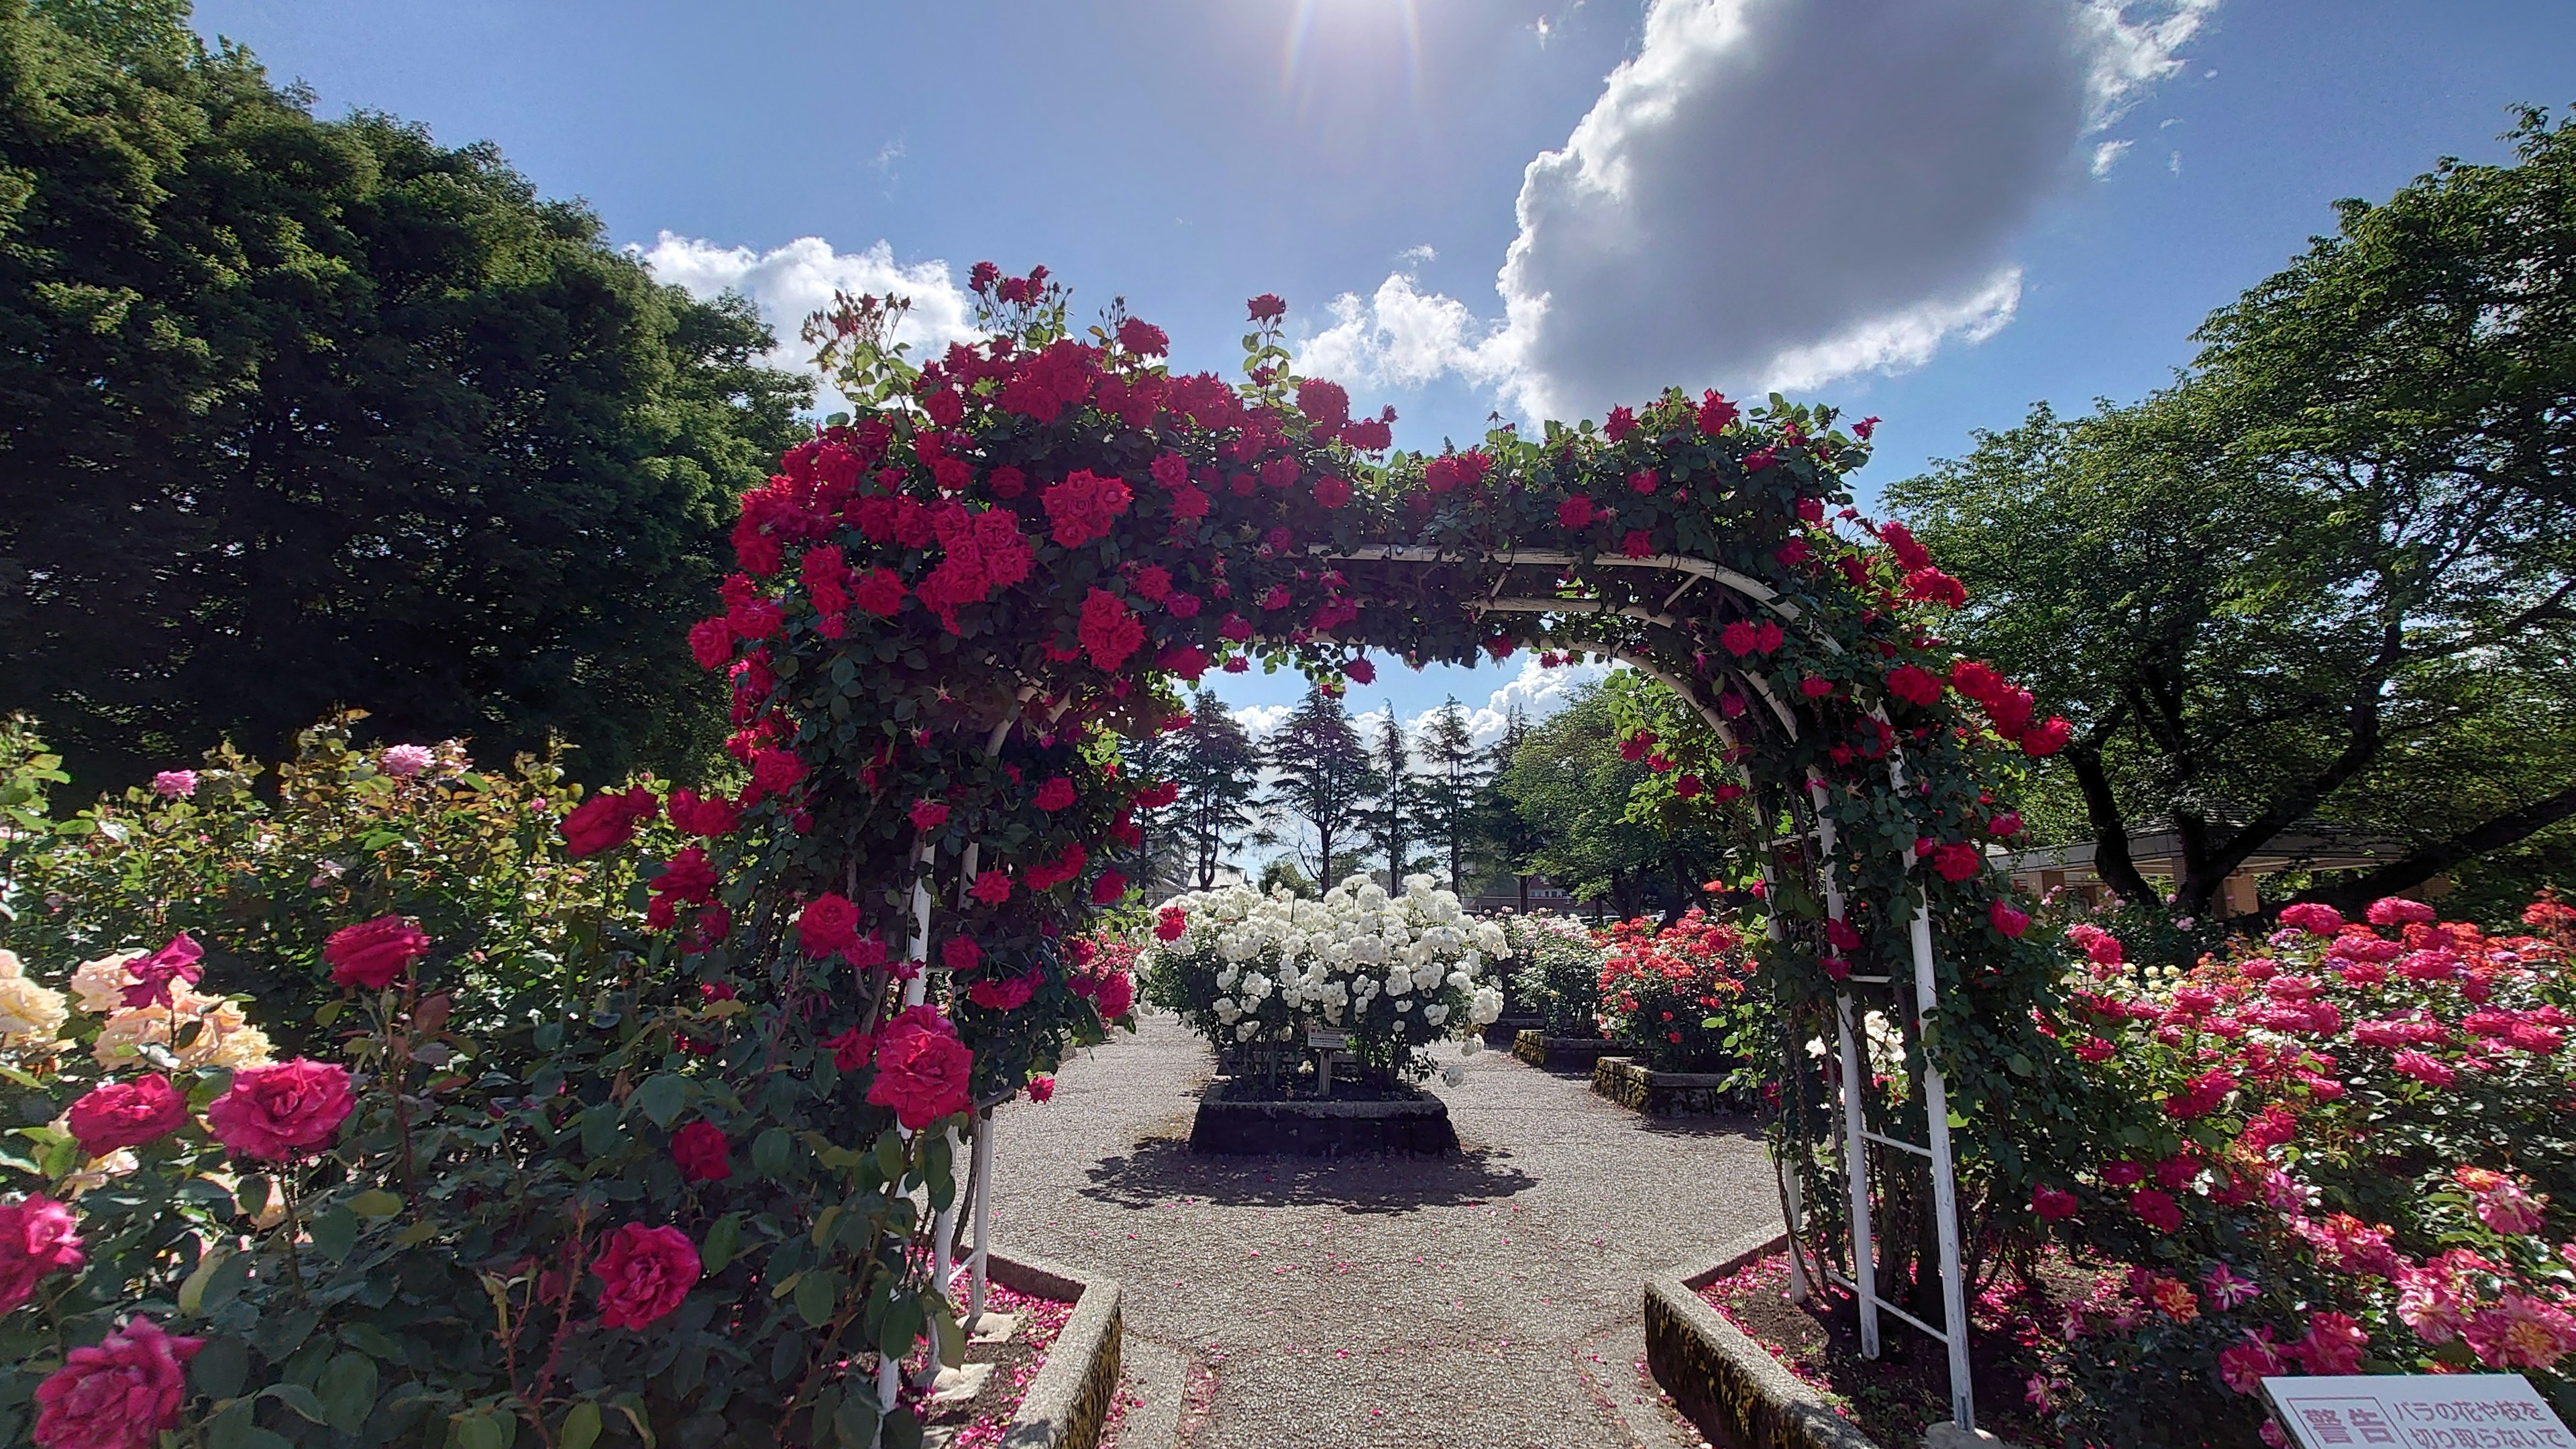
(2359, 1159)
(382, 1107)
(1556, 970)
(1398, 973)
(1681, 999)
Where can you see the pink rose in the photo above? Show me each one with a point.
(921, 1068)
(644, 1275)
(127, 1114)
(119, 1393)
(37, 1238)
(372, 954)
(282, 1112)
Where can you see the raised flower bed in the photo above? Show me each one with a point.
(1562, 1053)
(1640, 1088)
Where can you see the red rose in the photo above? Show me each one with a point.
(1957, 861)
(37, 1238)
(119, 1393)
(2155, 1209)
(175, 961)
(1008, 995)
(2007, 920)
(282, 1112)
(1360, 671)
(992, 887)
(922, 1069)
(828, 926)
(775, 772)
(928, 814)
(1143, 338)
(1914, 684)
(1327, 403)
(1117, 996)
(1575, 512)
(127, 1114)
(2052, 1204)
(711, 642)
(1041, 1088)
(1055, 794)
(371, 954)
(1267, 308)
(850, 1049)
(960, 953)
(607, 821)
(1715, 412)
(700, 1152)
(644, 1275)
(1109, 888)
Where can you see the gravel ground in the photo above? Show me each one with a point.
(1488, 1300)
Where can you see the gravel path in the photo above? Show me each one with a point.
(1489, 1300)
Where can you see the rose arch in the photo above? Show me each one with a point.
(953, 605)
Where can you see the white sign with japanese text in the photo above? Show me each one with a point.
(2417, 1411)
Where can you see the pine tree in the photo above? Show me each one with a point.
(1218, 769)
(1398, 799)
(1325, 780)
(1447, 790)
(1509, 839)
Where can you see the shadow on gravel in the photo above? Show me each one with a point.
(1159, 1169)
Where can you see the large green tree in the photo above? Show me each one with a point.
(1321, 779)
(1218, 771)
(1595, 823)
(2325, 578)
(296, 413)
(1453, 779)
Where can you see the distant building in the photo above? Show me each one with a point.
(2158, 856)
(1544, 895)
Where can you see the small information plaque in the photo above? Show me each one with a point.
(2417, 1411)
(1324, 1039)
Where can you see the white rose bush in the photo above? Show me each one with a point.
(1398, 973)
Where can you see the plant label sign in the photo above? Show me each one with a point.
(1322, 1039)
(2417, 1411)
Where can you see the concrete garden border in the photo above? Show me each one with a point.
(1640, 1088)
(1562, 1053)
(1068, 1402)
(1720, 1378)
(1257, 1127)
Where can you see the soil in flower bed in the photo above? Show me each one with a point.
(1894, 1398)
(980, 1424)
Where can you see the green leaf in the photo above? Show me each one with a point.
(580, 1427)
(192, 1292)
(817, 1294)
(375, 1202)
(220, 1366)
(298, 1398)
(770, 1152)
(482, 1430)
(335, 1233)
(600, 1131)
(855, 1422)
(722, 1241)
(661, 1097)
(632, 1406)
(348, 1391)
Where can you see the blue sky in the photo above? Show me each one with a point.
(1937, 211)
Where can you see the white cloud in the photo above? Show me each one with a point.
(1261, 721)
(2107, 155)
(1776, 193)
(791, 282)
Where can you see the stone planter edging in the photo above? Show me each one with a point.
(1639, 1088)
(1561, 1053)
(1320, 1129)
(1068, 1402)
(1720, 1378)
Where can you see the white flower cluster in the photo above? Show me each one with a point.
(1406, 968)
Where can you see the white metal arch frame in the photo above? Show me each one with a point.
(1853, 1136)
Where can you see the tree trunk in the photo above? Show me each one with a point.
(2352, 896)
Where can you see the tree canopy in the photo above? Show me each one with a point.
(297, 413)
(2323, 580)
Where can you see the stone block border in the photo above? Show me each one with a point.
(1069, 1400)
(1639, 1088)
(1720, 1378)
(1561, 1053)
(1320, 1129)
(1504, 1030)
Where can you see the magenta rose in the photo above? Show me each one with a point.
(372, 954)
(282, 1112)
(701, 1153)
(119, 1393)
(127, 1114)
(37, 1238)
(644, 1274)
(921, 1068)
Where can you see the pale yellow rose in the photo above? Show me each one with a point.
(10, 966)
(224, 1039)
(28, 1010)
(120, 1042)
(98, 987)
